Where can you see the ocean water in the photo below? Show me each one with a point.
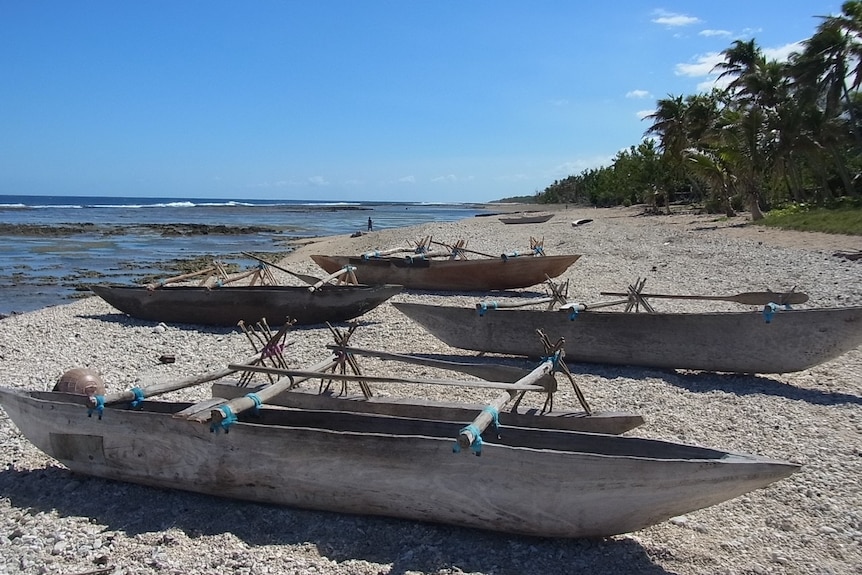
(52, 247)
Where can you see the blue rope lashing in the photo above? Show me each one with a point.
(139, 397)
(228, 420)
(99, 408)
(420, 250)
(495, 418)
(769, 311)
(485, 306)
(476, 445)
(369, 255)
(219, 283)
(573, 315)
(554, 359)
(257, 401)
(539, 250)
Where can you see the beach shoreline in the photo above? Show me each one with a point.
(808, 523)
(47, 259)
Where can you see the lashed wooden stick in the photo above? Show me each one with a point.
(346, 270)
(174, 385)
(386, 379)
(182, 277)
(490, 372)
(470, 433)
(309, 279)
(241, 404)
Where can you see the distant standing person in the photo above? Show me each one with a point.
(370, 225)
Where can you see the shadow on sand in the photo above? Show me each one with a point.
(407, 546)
(737, 384)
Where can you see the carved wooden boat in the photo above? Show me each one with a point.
(742, 342)
(526, 219)
(540, 482)
(225, 306)
(415, 272)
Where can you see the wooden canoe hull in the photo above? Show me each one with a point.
(452, 275)
(740, 342)
(226, 306)
(526, 219)
(531, 482)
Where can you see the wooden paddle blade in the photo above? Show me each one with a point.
(766, 297)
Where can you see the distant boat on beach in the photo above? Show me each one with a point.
(226, 306)
(526, 219)
(451, 275)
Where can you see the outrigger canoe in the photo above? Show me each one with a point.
(420, 273)
(227, 305)
(768, 341)
(532, 478)
(542, 482)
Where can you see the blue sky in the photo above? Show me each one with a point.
(438, 101)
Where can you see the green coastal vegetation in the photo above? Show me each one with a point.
(782, 141)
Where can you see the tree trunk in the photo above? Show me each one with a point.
(726, 203)
(843, 173)
(754, 207)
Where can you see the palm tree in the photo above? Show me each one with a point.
(825, 62)
(828, 73)
(670, 128)
(739, 60)
(742, 138)
(741, 145)
(711, 168)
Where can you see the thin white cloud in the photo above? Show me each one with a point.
(560, 102)
(641, 114)
(672, 19)
(407, 180)
(318, 181)
(578, 165)
(702, 65)
(781, 53)
(278, 184)
(712, 33)
(639, 94)
(448, 178)
(512, 178)
(712, 82)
